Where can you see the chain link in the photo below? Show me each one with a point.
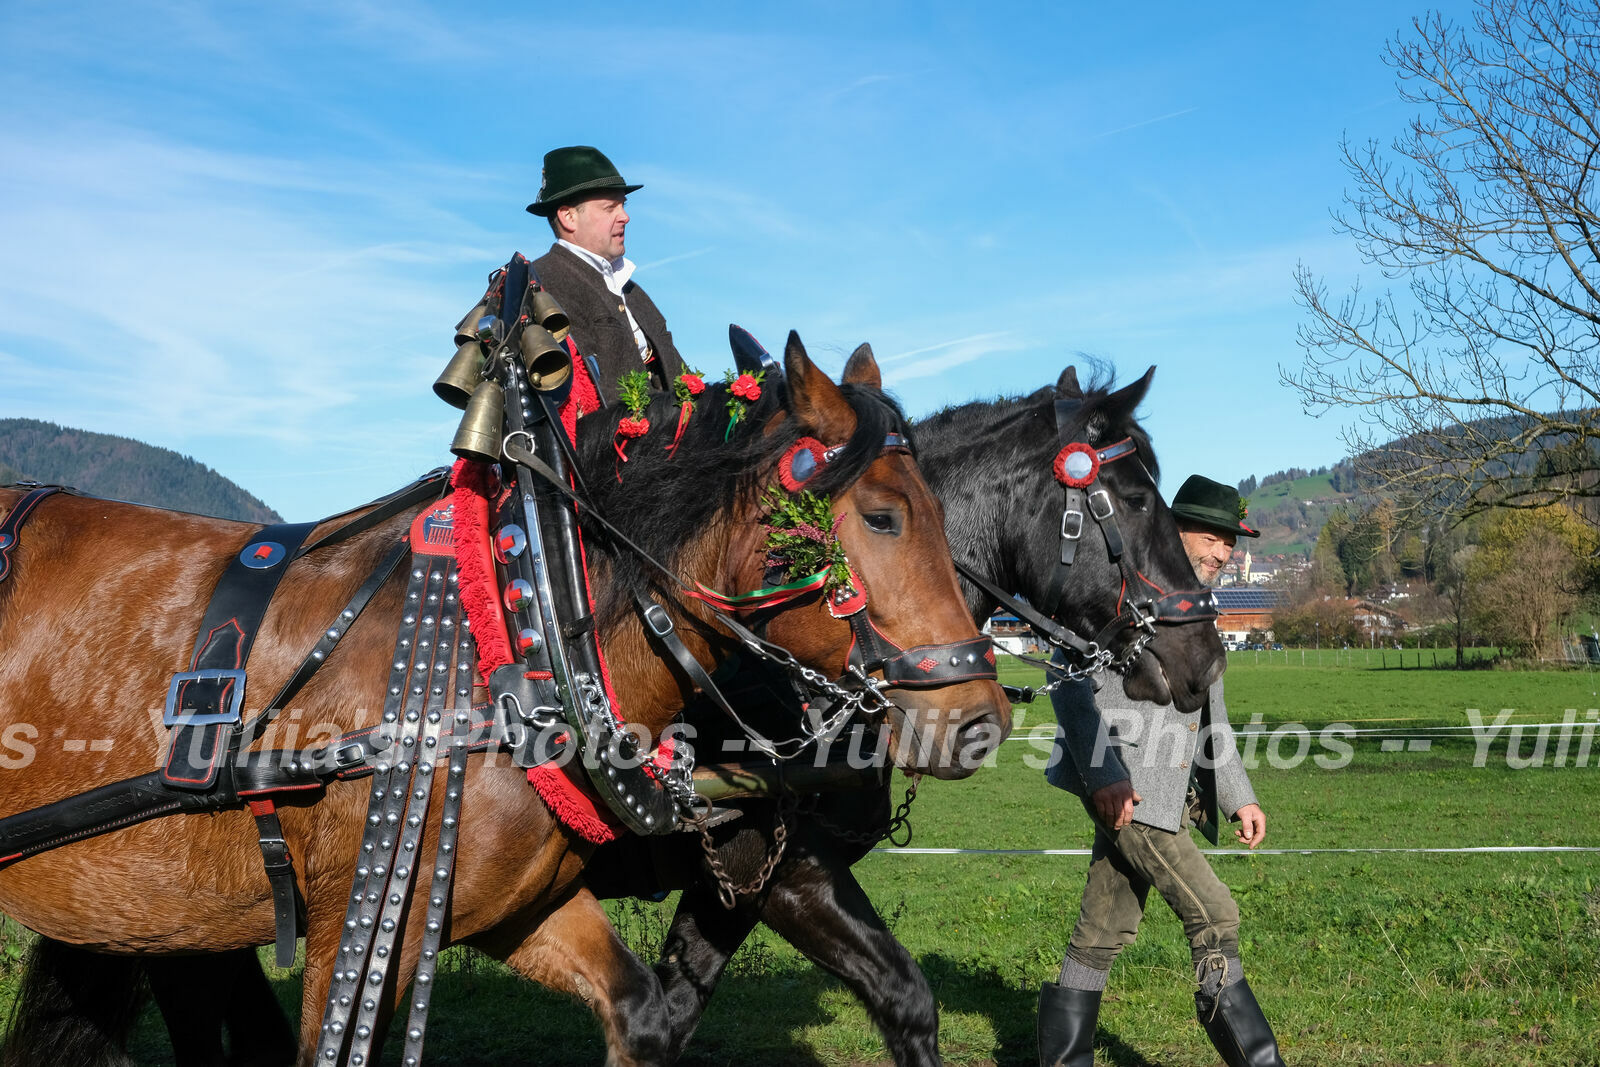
(729, 891)
(901, 820)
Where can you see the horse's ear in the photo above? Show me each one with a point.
(814, 401)
(862, 369)
(1116, 409)
(1067, 384)
(1130, 396)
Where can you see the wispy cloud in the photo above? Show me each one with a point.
(931, 360)
(860, 83)
(1143, 123)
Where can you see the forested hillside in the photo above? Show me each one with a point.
(121, 469)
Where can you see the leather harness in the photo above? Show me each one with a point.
(1077, 467)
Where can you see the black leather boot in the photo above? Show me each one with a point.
(1235, 1025)
(1066, 1026)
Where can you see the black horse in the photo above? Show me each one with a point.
(991, 465)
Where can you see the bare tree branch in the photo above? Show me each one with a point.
(1475, 384)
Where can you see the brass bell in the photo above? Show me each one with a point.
(549, 365)
(480, 433)
(547, 313)
(461, 375)
(467, 328)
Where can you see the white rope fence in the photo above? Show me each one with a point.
(1471, 850)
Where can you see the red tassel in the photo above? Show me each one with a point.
(683, 421)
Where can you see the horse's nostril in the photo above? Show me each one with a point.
(976, 739)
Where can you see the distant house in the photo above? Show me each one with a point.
(1011, 634)
(1376, 619)
(1242, 609)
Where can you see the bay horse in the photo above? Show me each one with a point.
(98, 613)
(991, 465)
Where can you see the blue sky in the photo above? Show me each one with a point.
(245, 232)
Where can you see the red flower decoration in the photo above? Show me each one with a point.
(746, 387)
(693, 383)
(633, 427)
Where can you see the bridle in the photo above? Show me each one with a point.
(1141, 603)
(831, 702)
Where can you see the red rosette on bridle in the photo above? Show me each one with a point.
(1076, 465)
(801, 463)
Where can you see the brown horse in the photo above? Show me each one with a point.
(100, 608)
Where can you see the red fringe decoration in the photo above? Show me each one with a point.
(565, 793)
(474, 483)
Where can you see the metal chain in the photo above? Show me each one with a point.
(901, 820)
(729, 891)
(869, 700)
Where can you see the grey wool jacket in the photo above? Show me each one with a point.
(1107, 737)
(600, 325)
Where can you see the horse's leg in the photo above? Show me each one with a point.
(190, 992)
(818, 907)
(572, 948)
(259, 1034)
(698, 945)
(200, 996)
(72, 1007)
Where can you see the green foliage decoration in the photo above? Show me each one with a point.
(803, 536)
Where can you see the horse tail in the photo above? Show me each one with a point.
(73, 1006)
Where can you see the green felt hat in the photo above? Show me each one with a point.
(572, 173)
(1212, 504)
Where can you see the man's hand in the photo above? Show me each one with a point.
(1252, 825)
(1114, 803)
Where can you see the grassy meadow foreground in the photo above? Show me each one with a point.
(1363, 958)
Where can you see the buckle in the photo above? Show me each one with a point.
(349, 756)
(208, 696)
(1097, 500)
(656, 617)
(1071, 524)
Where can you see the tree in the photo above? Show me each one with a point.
(1529, 574)
(1452, 557)
(1486, 209)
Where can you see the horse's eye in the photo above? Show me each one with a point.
(1138, 502)
(883, 522)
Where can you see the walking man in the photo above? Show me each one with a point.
(1145, 773)
(613, 321)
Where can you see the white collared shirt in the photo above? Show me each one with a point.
(616, 273)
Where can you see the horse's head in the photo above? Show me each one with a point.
(1182, 660)
(706, 508)
(1005, 471)
(949, 712)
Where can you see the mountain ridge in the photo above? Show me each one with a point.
(122, 468)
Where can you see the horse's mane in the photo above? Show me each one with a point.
(985, 427)
(665, 501)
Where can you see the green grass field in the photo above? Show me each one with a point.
(1360, 958)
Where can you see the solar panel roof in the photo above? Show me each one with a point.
(1239, 600)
